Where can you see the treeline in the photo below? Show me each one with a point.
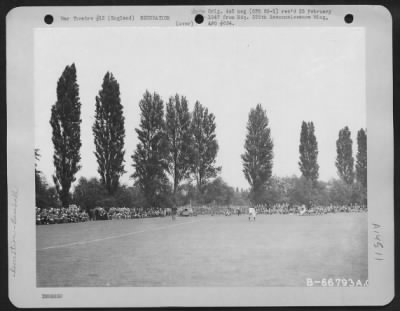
(174, 144)
(351, 188)
(175, 158)
(91, 193)
(299, 190)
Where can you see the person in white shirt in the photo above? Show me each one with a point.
(252, 213)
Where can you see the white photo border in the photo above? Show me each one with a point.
(23, 292)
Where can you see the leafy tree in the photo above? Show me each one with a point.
(218, 192)
(88, 193)
(344, 159)
(185, 194)
(45, 196)
(359, 195)
(40, 185)
(65, 122)
(109, 134)
(124, 196)
(205, 146)
(321, 194)
(308, 149)
(40, 192)
(240, 198)
(91, 193)
(258, 156)
(340, 192)
(179, 139)
(150, 157)
(361, 158)
(276, 191)
(52, 197)
(137, 197)
(301, 191)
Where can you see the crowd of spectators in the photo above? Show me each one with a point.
(100, 213)
(149, 212)
(280, 209)
(60, 215)
(75, 214)
(202, 210)
(312, 210)
(353, 208)
(218, 210)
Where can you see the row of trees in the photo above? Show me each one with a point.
(89, 193)
(258, 163)
(182, 145)
(176, 147)
(178, 143)
(279, 190)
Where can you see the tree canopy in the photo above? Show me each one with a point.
(308, 149)
(361, 158)
(109, 134)
(258, 157)
(150, 157)
(205, 146)
(344, 159)
(179, 135)
(65, 122)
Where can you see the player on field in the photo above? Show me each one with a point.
(252, 213)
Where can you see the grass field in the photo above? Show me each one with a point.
(276, 250)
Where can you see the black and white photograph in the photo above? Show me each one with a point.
(207, 156)
(208, 159)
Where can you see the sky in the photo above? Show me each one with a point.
(296, 74)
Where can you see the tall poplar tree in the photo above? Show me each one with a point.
(308, 149)
(258, 156)
(179, 139)
(66, 121)
(150, 157)
(205, 146)
(344, 158)
(361, 158)
(109, 134)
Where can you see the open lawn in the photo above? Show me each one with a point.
(276, 250)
